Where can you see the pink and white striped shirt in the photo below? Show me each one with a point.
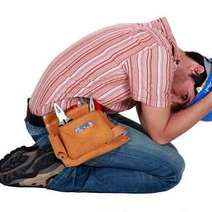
(118, 65)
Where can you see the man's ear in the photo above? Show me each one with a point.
(196, 69)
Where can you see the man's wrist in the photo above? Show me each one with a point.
(208, 100)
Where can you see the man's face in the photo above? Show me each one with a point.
(183, 92)
(183, 87)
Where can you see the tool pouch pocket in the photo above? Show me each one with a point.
(87, 135)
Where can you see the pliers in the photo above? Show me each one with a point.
(63, 119)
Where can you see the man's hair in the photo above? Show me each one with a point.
(200, 78)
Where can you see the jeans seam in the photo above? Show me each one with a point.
(59, 177)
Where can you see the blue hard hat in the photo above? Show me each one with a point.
(206, 87)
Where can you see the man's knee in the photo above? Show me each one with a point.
(173, 179)
(179, 167)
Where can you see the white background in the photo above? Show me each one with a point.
(34, 32)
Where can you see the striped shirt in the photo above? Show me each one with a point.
(118, 65)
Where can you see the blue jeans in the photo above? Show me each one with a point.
(139, 166)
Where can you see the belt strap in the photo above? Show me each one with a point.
(33, 119)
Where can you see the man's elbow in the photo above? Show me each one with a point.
(161, 139)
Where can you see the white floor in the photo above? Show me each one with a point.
(33, 33)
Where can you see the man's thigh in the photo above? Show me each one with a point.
(140, 152)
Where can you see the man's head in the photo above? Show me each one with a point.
(190, 74)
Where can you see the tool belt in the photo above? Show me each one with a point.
(83, 133)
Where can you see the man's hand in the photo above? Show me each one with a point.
(164, 126)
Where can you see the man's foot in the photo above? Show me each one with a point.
(29, 166)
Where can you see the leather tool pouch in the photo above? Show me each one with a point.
(86, 136)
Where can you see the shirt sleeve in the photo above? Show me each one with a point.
(151, 76)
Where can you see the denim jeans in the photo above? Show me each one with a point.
(139, 166)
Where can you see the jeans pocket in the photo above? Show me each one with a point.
(35, 130)
(38, 134)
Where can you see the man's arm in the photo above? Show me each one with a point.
(164, 126)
